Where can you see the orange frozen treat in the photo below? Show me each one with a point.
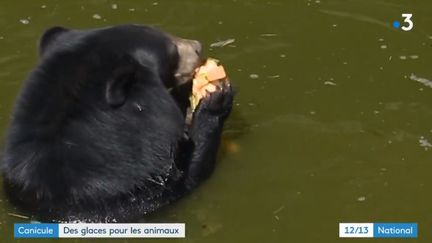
(206, 80)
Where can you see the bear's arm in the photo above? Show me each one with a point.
(204, 135)
(204, 140)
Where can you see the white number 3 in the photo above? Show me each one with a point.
(407, 20)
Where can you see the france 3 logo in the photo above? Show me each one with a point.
(408, 22)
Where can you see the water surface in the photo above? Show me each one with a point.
(327, 127)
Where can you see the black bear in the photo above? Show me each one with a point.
(98, 133)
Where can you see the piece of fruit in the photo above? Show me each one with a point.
(206, 80)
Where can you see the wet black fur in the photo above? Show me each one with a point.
(96, 135)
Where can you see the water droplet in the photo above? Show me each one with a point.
(25, 21)
(330, 83)
(254, 76)
(97, 16)
(361, 199)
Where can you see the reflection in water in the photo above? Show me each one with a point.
(425, 143)
(311, 125)
(424, 81)
(358, 17)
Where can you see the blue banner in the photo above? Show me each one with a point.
(36, 230)
(395, 230)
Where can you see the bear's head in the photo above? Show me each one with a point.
(126, 50)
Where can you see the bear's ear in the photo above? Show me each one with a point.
(118, 86)
(48, 38)
(127, 76)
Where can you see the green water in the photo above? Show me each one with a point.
(327, 122)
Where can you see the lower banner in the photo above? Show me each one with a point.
(110, 230)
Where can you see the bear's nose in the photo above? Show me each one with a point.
(196, 45)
